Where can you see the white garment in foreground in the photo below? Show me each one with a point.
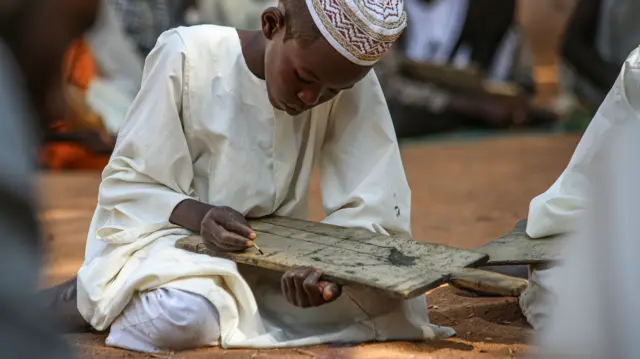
(202, 127)
(558, 209)
(595, 314)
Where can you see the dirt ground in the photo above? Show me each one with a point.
(464, 195)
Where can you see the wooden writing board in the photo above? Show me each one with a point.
(516, 247)
(397, 266)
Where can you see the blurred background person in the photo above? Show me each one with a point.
(598, 38)
(102, 74)
(145, 20)
(470, 41)
(33, 38)
(103, 71)
(241, 14)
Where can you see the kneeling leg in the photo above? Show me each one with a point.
(165, 319)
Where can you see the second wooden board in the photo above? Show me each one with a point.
(397, 266)
(516, 247)
(491, 283)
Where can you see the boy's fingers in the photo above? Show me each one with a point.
(233, 241)
(239, 228)
(312, 289)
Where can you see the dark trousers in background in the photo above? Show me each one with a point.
(415, 121)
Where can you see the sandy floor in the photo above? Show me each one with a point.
(464, 195)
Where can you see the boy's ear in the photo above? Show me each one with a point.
(272, 22)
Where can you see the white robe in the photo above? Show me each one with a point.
(559, 209)
(202, 127)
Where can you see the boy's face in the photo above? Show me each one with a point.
(300, 78)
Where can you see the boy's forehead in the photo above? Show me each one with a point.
(328, 66)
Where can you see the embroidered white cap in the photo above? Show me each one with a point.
(360, 30)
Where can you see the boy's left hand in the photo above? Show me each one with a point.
(302, 287)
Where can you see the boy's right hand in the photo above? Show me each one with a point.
(224, 229)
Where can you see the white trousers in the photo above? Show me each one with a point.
(538, 299)
(165, 319)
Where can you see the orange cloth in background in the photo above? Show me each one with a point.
(79, 66)
(71, 156)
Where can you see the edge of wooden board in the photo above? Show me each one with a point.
(518, 230)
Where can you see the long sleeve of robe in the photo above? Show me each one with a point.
(139, 183)
(203, 127)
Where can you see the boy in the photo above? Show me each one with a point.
(227, 124)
